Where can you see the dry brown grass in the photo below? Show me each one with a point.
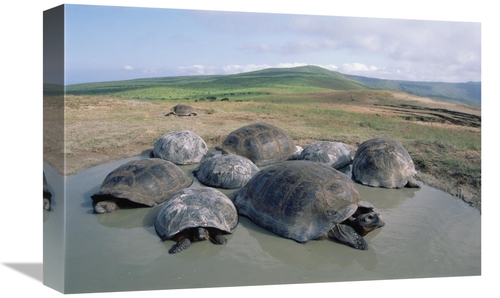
(103, 129)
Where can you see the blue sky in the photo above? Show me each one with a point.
(106, 43)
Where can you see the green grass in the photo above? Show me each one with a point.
(266, 82)
(235, 87)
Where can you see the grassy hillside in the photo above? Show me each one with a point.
(236, 87)
(265, 84)
(466, 93)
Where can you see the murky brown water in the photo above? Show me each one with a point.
(428, 233)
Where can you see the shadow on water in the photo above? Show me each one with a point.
(310, 255)
(202, 250)
(129, 218)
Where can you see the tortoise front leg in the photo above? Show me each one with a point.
(218, 239)
(347, 235)
(180, 246)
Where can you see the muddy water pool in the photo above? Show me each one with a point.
(428, 233)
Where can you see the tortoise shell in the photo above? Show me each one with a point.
(382, 162)
(196, 207)
(180, 147)
(182, 110)
(300, 200)
(146, 182)
(334, 154)
(225, 171)
(262, 143)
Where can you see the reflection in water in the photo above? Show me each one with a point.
(428, 233)
(310, 255)
(129, 218)
(386, 199)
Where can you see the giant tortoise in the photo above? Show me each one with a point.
(227, 171)
(196, 214)
(182, 110)
(305, 200)
(383, 162)
(180, 147)
(144, 182)
(264, 144)
(334, 154)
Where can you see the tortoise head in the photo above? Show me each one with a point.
(106, 206)
(367, 222)
(200, 234)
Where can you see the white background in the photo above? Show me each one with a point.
(21, 143)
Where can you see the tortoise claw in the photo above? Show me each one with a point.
(347, 235)
(180, 246)
(218, 239)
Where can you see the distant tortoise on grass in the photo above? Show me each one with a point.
(383, 162)
(145, 182)
(180, 147)
(196, 214)
(47, 195)
(305, 200)
(264, 144)
(225, 171)
(333, 154)
(182, 110)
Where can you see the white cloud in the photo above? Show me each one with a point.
(197, 70)
(357, 67)
(237, 68)
(452, 50)
(371, 42)
(299, 46)
(154, 71)
(329, 67)
(258, 48)
(128, 67)
(289, 65)
(234, 68)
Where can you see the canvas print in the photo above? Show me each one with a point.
(198, 149)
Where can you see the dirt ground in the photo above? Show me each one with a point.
(92, 139)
